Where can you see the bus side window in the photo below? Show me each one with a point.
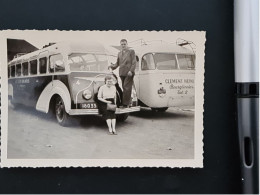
(56, 63)
(33, 67)
(13, 71)
(43, 65)
(25, 68)
(18, 69)
(148, 62)
(9, 72)
(185, 61)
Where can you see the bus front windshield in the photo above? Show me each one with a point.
(89, 62)
(168, 61)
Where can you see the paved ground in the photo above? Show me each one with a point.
(34, 135)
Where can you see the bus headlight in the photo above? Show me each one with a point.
(87, 94)
(161, 92)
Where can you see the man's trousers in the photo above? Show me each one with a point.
(127, 83)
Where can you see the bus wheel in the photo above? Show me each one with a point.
(60, 112)
(159, 109)
(14, 105)
(122, 117)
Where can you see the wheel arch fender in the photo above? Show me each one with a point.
(55, 87)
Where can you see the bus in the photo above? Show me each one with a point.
(165, 76)
(63, 78)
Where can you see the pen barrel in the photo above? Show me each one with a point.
(248, 129)
(246, 40)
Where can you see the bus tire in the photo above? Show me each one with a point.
(159, 109)
(51, 112)
(14, 105)
(60, 112)
(122, 117)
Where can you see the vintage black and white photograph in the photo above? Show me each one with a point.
(102, 98)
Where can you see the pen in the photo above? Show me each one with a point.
(246, 40)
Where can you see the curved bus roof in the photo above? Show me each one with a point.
(67, 48)
(161, 48)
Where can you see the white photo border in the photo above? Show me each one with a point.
(199, 37)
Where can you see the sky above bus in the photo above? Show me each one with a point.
(41, 38)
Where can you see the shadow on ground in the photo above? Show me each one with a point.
(149, 114)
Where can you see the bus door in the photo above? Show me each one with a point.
(137, 75)
(17, 82)
(145, 76)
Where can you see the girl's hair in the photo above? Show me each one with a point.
(123, 40)
(108, 78)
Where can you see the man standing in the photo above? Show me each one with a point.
(126, 62)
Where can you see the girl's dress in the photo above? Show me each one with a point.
(109, 94)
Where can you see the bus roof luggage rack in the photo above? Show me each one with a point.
(183, 42)
(18, 55)
(141, 42)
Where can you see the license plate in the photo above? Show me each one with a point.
(88, 106)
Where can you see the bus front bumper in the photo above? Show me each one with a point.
(96, 112)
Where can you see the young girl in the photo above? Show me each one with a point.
(107, 95)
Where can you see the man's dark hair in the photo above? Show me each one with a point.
(123, 40)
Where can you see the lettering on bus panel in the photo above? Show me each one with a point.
(182, 89)
(169, 81)
(22, 81)
(183, 86)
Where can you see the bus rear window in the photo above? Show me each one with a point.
(25, 68)
(186, 62)
(33, 67)
(18, 70)
(165, 61)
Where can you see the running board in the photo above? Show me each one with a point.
(96, 112)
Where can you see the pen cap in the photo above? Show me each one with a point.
(246, 30)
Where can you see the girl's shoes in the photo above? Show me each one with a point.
(114, 132)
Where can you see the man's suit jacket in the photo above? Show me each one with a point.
(126, 62)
